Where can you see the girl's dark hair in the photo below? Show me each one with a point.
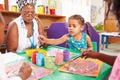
(79, 18)
(81, 21)
(87, 28)
(116, 9)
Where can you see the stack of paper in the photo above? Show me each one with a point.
(11, 57)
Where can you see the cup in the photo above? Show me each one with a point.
(40, 59)
(14, 8)
(59, 58)
(34, 57)
(49, 63)
(52, 11)
(40, 9)
(66, 55)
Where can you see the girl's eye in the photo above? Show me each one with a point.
(69, 26)
(74, 26)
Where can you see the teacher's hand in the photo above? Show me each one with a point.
(25, 71)
(90, 54)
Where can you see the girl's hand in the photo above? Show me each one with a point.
(42, 39)
(83, 50)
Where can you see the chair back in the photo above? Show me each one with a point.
(94, 46)
(57, 30)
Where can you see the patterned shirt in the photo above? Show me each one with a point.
(77, 45)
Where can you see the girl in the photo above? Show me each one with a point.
(76, 39)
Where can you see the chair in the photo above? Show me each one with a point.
(94, 46)
(56, 30)
(95, 37)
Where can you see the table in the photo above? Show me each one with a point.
(107, 35)
(57, 75)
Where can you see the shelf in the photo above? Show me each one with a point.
(46, 19)
(9, 12)
(43, 15)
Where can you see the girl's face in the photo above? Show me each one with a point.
(28, 13)
(74, 27)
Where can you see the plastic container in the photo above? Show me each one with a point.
(52, 8)
(66, 55)
(40, 59)
(49, 63)
(59, 58)
(34, 57)
(14, 8)
(40, 9)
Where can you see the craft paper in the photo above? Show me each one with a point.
(85, 67)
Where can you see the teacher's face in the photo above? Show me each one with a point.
(28, 13)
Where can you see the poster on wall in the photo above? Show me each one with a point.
(93, 14)
(87, 2)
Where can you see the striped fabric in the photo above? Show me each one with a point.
(22, 3)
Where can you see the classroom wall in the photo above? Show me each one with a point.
(11, 3)
(84, 8)
(70, 7)
(1, 1)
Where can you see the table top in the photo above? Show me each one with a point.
(57, 75)
(111, 34)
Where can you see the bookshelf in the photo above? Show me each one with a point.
(46, 19)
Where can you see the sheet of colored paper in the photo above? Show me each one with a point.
(37, 72)
(85, 67)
